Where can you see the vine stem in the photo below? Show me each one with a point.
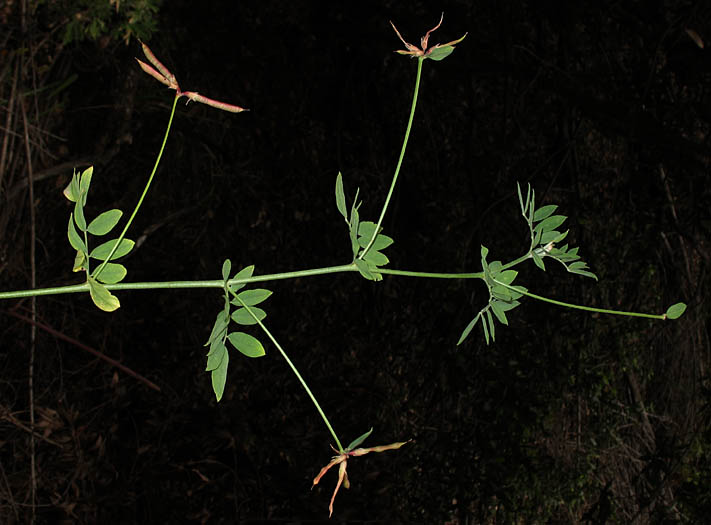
(145, 190)
(293, 369)
(402, 156)
(217, 283)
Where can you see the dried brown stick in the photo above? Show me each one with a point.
(86, 348)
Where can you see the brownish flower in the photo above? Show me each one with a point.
(437, 52)
(342, 460)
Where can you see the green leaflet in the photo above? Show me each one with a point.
(341, 197)
(217, 353)
(102, 251)
(112, 273)
(105, 222)
(219, 377)
(102, 297)
(675, 311)
(440, 53)
(219, 327)
(71, 192)
(74, 239)
(248, 317)
(226, 267)
(79, 215)
(357, 441)
(251, 297)
(245, 273)
(246, 344)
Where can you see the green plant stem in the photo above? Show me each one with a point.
(295, 370)
(432, 275)
(145, 190)
(578, 306)
(517, 261)
(84, 287)
(402, 156)
(158, 285)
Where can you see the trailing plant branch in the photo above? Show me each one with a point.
(673, 312)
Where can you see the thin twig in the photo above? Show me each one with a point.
(33, 307)
(78, 344)
(7, 416)
(8, 123)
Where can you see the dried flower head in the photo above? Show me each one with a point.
(342, 460)
(437, 52)
(164, 76)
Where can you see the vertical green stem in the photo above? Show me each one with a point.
(145, 190)
(402, 156)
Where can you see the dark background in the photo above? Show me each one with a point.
(603, 107)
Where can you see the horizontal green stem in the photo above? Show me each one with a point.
(432, 275)
(217, 283)
(155, 285)
(578, 306)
